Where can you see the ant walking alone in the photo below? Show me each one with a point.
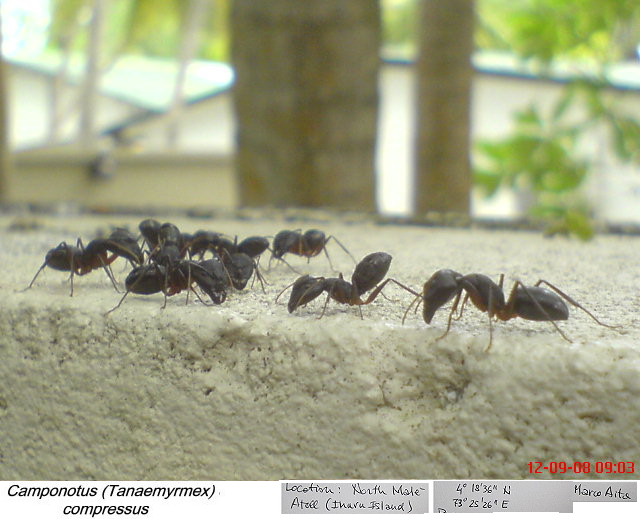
(368, 273)
(533, 303)
(309, 244)
(80, 260)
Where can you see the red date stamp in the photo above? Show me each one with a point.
(583, 467)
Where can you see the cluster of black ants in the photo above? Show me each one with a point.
(171, 261)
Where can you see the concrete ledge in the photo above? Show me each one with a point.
(247, 391)
(135, 180)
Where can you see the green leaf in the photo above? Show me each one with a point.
(626, 138)
(489, 181)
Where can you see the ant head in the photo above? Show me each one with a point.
(169, 233)
(438, 290)
(304, 290)
(314, 239)
(240, 268)
(149, 228)
(283, 242)
(59, 257)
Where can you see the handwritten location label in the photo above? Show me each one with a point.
(470, 496)
(354, 498)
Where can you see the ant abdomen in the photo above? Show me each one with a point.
(370, 271)
(539, 304)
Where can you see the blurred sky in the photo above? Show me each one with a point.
(24, 25)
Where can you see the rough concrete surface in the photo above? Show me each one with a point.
(247, 391)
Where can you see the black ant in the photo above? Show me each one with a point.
(160, 236)
(367, 275)
(120, 242)
(253, 246)
(309, 244)
(240, 259)
(203, 240)
(167, 247)
(149, 229)
(533, 303)
(170, 247)
(156, 278)
(80, 260)
(240, 267)
(167, 271)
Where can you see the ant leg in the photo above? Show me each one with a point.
(187, 291)
(490, 336)
(257, 260)
(108, 270)
(388, 299)
(404, 287)
(464, 303)
(113, 278)
(164, 301)
(324, 308)
(491, 311)
(185, 250)
(119, 303)
(165, 286)
(272, 255)
(328, 258)
(71, 277)
(417, 295)
(454, 307)
(289, 266)
(254, 274)
(226, 269)
(259, 277)
(417, 299)
(510, 304)
(304, 295)
(573, 302)
(340, 244)
(199, 297)
(377, 291)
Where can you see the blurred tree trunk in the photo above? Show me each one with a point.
(5, 151)
(306, 101)
(445, 77)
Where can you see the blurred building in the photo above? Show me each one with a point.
(143, 144)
